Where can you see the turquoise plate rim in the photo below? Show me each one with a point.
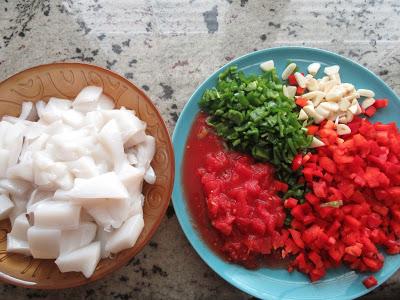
(179, 137)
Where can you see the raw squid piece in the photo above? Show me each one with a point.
(6, 205)
(126, 236)
(82, 260)
(44, 242)
(57, 214)
(77, 238)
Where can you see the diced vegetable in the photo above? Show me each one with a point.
(253, 116)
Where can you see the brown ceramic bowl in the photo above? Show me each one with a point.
(65, 80)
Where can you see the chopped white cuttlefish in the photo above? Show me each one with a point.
(6, 205)
(150, 176)
(87, 98)
(44, 242)
(15, 245)
(15, 186)
(17, 239)
(54, 109)
(57, 214)
(146, 151)
(84, 167)
(4, 157)
(108, 213)
(19, 207)
(132, 178)
(71, 178)
(110, 137)
(82, 260)
(131, 127)
(20, 227)
(103, 236)
(28, 112)
(106, 185)
(125, 237)
(77, 238)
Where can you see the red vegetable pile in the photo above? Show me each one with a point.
(243, 206)
(354, 203)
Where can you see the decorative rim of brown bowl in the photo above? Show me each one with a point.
(22, 283)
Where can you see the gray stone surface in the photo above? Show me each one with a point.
(168, 47)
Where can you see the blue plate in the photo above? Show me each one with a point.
(267, 283)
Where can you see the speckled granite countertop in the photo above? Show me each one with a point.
(168, 47)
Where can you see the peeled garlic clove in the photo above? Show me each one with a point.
(317, 100)
(310, 111)
(312, 84)
(344, 104)
(343, 129)
(367, 103)
(313, 68)
(349, 116)
(314, 94)
(348, 87)
(302, 115)
(353, 109)
(288, 71)
(289, 91)
(330, 106)
(301, 80)
(331, 70)
(335, 78)
(322, 111)
(366, 93)
(335, 94)
(82, 260)
(316, 143)
(267, 65)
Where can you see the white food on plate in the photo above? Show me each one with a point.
(329, 97)
(288, 71)
(267, 65)
(83, 260)
(71, 178)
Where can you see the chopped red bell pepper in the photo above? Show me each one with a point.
(370, 111)
(300, 91)
(292, 80)
(381, 103)
(370, 281)
(312, 129)
(301, 101)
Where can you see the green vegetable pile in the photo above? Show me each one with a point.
(253, 116)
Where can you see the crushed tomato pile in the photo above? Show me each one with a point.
(351, 210)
